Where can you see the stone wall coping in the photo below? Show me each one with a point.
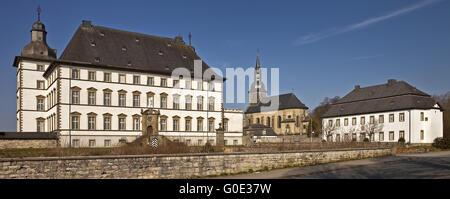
(178, 155)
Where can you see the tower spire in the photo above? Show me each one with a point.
(39, 12)
(257, 59)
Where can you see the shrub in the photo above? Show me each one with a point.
(366, 140)
(401, 140)
(441, 143)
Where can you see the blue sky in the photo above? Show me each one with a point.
(322, 47)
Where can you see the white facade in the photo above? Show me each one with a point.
(59, 111)
(416, 126)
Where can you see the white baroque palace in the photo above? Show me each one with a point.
(95, 93)
(384, 113)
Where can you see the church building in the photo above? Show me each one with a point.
(288, 118)
(111, 86)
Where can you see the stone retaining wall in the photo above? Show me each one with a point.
(173, 166)
(20, 144)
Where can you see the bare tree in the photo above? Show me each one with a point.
(372, 127)
(350, 132)
(329, 129)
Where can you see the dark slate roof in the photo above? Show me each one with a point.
(27, 136)
(286, 101)
(394, 95)
(258, 129)
(128, 50)
(39, 48)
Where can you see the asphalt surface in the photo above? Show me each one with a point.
(435, 165)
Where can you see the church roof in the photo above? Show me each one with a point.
(394, 95)
(129, 50)
(286, 101)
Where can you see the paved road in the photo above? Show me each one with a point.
(410, 166)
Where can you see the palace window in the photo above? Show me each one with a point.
(40, 103)
(75, 97)
(75, 122)
(91, 122)
(163, 124)
(211, 104)
(76, 143)
(91, 75)
(422, 116)
(188, 124)
(200, 103)
(199, 124)
(75, 74)
(176, 83)
(150, 81)
(211, 125)
(40, 84)
(163, 101)
(176, 102)
(338, 122)
(91, 97)
(188, 104)
(107, 77)
(107, 143)
(122, 125)
(211, 86)
(354, 121)
(122, 99)
(107, 98)
(122, 78)
(346, 122)
(136, 100)
(136, 124)
(150, 101)
(225, 125)
(91, 143)
(136, 79)
(200, 142)
(40, 67)
(163, 82)
(106, 122)
(188, 84)
(422, 135)
(199, 85)
(176, 124)
(372, 120)
(401, 134)
(363, 120)
(40, 125)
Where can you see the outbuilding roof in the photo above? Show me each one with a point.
(394, 95)
(286, 101)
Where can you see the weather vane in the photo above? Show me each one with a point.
(39, 12)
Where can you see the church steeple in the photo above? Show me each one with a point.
(257, 89)
(38, 46)
(257, 61)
